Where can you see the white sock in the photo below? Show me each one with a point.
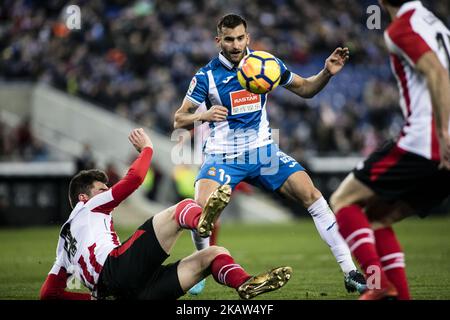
(199, 242)
(326, 224)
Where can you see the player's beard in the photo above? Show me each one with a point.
(235, 57)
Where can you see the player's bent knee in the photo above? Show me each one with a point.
(216, 250)
(311, 197)
(203, 189)
(335, 201)
(338, 200)
(212, 252)
(169, 213)
(183, 203)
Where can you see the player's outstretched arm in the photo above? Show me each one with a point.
(186, 116)
(439, 85)
(137, 171)
(134, 177)
(309, 87)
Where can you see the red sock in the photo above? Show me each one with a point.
(187, 214)
(226, 272)
(393, 260)
(355, 229)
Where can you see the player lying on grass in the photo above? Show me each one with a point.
(89, 247)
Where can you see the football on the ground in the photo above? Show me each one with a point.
(259, 72)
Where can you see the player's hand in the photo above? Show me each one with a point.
(336, 60)
(215, 114)
(139, 139)
(444, 146)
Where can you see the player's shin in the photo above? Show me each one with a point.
(225, 271)
(199, 242)
(187, 214)
(327, 227)
(393, 260)
(355, 228)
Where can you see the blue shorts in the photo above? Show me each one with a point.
(266, 167)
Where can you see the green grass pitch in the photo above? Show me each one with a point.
(26, 256)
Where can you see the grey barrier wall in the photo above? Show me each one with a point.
(34, 194)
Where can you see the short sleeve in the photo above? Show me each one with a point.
(286, 74)
(402, 39)
(198, 88)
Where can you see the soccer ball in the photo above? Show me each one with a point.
(259, 72)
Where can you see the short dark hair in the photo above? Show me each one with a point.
(82, 183)
(230, 21)
(397, 3)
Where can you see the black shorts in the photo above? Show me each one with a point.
(395, 174)
(135, 271)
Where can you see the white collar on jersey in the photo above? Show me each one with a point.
(227, 63)
(408, 6)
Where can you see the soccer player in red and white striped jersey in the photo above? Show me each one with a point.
(89, 248)
(408, 176)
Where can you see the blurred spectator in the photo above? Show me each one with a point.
(5, 143)
(152, 181)
(23, 136)
(112, 173)
(86, 159)
(19, 143)
(184, 179)
(37, 151)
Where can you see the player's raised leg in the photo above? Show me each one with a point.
(348, 202)
(169, 223)
(218, 262)
(212, 208)
(186, 214)
(299, 187)
(203, 189)
(210, 195)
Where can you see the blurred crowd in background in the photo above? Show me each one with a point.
(136, 58)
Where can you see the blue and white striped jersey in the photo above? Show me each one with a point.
(247, 125)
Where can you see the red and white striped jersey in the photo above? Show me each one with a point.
(415, 31)
(88, 236)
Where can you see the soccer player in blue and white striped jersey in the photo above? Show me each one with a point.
(240, 146)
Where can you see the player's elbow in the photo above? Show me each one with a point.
(180, 124)
(44, 295)
(177, 123)
(135, 180)
(305, 93)
(47, 293)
